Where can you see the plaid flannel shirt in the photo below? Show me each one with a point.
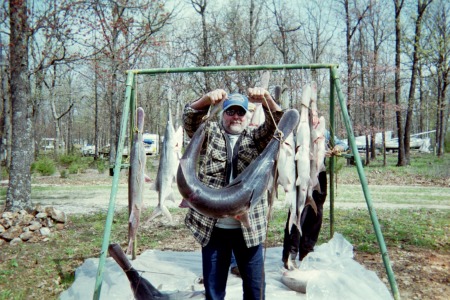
(215, 165)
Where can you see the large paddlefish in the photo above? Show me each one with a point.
(245, 191)
(168, 165)
(136, 180)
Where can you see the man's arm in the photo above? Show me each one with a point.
(206, 100)
(264, 133)
(194, 112)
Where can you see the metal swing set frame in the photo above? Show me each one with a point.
(129, 106)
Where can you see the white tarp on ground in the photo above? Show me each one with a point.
(343, 278)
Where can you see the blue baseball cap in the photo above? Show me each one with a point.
(236, 99)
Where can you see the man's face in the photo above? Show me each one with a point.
(234, 120)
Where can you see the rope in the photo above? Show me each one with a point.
(135, 128)
(335, 151)
(278, 134)
(131, 269)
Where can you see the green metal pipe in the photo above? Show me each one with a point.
(365, 188)
(132, 126)
(232, 68)
(115, 184)
(332, 158)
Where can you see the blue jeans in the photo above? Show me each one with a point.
(216, 257)
(233, 261)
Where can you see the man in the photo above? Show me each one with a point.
(228, 149)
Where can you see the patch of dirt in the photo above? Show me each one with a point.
(88, 177)
(419, 273)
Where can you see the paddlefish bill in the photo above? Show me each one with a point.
(142, 288)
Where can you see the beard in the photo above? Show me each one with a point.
(236, 127)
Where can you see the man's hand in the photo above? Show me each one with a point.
(215, 96)
(258, 94)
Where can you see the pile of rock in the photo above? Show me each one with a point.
(31, 227)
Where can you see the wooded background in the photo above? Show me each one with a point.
(63, 65)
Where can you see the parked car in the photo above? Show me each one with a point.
(104, 151)
(151, 143)
(88, 150)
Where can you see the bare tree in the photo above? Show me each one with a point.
(351, 27)
(244, 26)
(440, 41)
(58, 114)
(5, 112)
(316, 40)
(286, 25)
(205, 52)
(126, 28)
(18, 195)
(53, 31)
(401, 161)
(421, 8)
(378, 32)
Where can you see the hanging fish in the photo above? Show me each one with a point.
(136, 180)
(319, 150)
(244, 191)
(168, 165)
(302, 157)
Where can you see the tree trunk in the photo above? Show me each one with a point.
(57, 124)
(96, 142)
(113, 116)
(205, 52)
(252, 34)
(401, 146)
(349, 58)
(350, 31)
(69, 147)
(421, 7)
(68, 137)
(372, 108)
(4, 99)
(364, 98)
(5, 126)
(112, 92)
(200, 8)
(5, 114)
(442, 114)
(383, 122)
(422, 106)
(18, 195)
